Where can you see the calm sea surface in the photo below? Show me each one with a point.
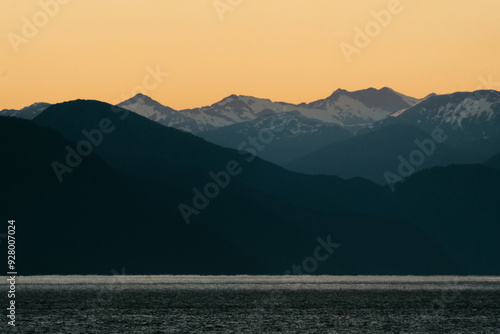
(254, 304)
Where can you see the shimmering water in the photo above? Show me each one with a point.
(255, 304)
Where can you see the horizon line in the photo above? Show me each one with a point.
(243, 95)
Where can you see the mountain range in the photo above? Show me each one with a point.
(134, 206)
(349, 109)
(29, 112)
(231, 121)
(366, 133)
(280, 137)
(468, 123)
(84, 166)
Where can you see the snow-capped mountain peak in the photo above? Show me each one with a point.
(350, 109)
(362, 107)
(149, 108)
(464, 116)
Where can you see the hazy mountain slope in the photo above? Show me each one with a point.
(362, 107)
(29, 112)
(373, 154)
(470, 120)
(479, 150)
(231, 110)
(463, 116)
(280, 137)
(149, 108)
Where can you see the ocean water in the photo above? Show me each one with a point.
(254, 304)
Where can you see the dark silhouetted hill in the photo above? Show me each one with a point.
(266, 210)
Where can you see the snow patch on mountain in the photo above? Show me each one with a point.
(342, 108)
(29, 112)
(463, 116)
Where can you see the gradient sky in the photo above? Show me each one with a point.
(285, 50)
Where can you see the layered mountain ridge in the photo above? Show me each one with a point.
(271, 216)
(29, 112)
(350, 109)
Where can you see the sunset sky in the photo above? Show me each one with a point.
(278, 49)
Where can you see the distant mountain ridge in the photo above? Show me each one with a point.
(344, 108)
(29, 112)
(236, 118)
(469, 123)
(363, 107)
(464, 116)
(279, 137)
(372, 154)
(469, 120)
(352, 110)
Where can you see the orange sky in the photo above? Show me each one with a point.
(281, 49)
